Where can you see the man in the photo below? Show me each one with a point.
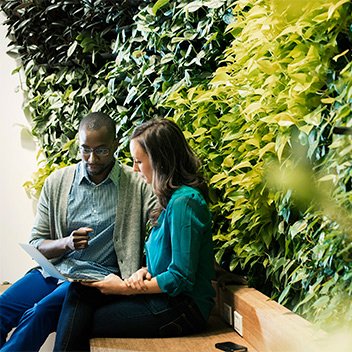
(91, 217)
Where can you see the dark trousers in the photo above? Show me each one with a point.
(87, 313)
(32, 306)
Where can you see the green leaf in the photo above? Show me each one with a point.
(158, 5)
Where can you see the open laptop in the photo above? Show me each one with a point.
(50, 268)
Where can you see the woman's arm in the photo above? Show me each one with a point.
(139, 282)
(189, 225)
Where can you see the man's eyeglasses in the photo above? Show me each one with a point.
(100, 151)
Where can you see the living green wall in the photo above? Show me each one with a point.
(257, 87)
(264, 126)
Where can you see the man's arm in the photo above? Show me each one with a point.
(78, 239)
(49, 224)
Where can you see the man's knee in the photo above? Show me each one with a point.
(43, 315)
(42, 310)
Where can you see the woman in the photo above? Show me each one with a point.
(172, 295)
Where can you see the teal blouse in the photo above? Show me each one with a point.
(179, 249)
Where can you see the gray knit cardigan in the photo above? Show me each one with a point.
(135, 200)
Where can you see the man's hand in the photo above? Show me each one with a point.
(78, 239)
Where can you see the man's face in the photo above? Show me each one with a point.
(97, 150)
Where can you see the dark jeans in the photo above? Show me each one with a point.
(32, 305)
(87, 313)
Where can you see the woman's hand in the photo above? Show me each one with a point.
(138, 283)
(111, 285)
(137, 280)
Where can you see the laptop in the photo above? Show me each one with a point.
(50, 268)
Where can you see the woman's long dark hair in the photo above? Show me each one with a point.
(173, 161)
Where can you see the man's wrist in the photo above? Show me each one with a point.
(67, 244)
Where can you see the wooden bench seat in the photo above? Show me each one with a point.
(266, 327)
(269, 326)
(218, 331)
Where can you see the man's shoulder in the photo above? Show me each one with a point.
(128, 173)
(126, 168)
(65, 171)
(131, 178)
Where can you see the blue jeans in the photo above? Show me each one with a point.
(32, 305)
(87, 313)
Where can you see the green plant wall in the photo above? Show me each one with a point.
(125, 63)
(257, 87)
(264, 128)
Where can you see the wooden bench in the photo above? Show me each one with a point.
(266, 327)
(269, 326)
(218, 331)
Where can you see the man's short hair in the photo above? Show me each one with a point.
(96, 120)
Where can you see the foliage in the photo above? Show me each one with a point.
(159, 50)
(176, 45)
(63, 46)
(256, 85)
(48, 32)
(264, 128)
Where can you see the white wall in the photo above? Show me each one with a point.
(17, 163)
